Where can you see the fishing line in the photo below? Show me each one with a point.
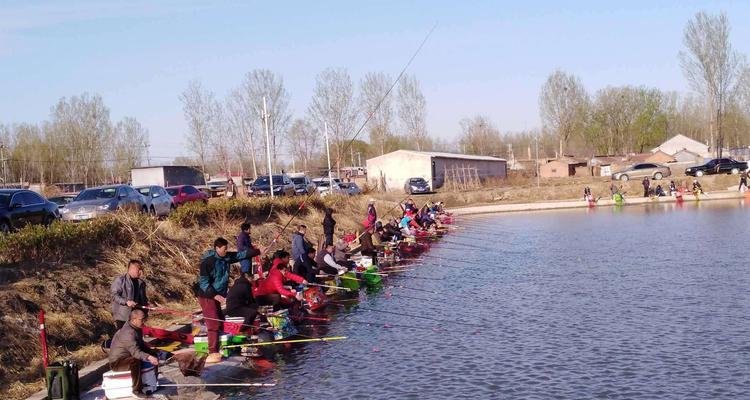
(418, 316)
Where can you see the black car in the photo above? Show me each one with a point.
(282, 186)
(717, 166)
(416, 185)
(20, 207)
(303, 185)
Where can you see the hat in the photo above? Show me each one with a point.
(371, 201)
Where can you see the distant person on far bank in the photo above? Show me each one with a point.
(128, 293)
(646, 185)
(244, 243)
(231, 191)
(672, 188)
(587, 194)
(697, 188)
(743, 182)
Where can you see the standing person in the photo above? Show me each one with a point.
(244, 243)
(613, 189)
(300, 247)
(372, 213)
(231, 190)
(240, 301)
(646, 185)
(672, 188)
(743, 182)
(697, 188)
(213, 284)
(128, 351)
(128, 292)
(329, 225)
(586, 193)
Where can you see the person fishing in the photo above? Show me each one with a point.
(407, 224)
(392, 232)
(613, 190)
(341, 254)
(327, 263)
(410, 206)
(646, 185)
(300, 247)
(212, 290)
(659, 192)
(271, 291)
(244, 243)
(743, 182)
(367, 243)
(128, 351)
(672, 188)
(240, 300)
(697, 188)
(128, 293)
(587, 193)
(372, 213)
(329, 225)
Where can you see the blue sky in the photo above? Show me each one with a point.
(485, 57)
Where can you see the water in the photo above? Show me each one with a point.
(639, 302)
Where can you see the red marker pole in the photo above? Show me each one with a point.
(43, 337)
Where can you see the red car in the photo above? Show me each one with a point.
(185, 194)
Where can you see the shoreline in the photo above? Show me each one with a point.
(569, 204)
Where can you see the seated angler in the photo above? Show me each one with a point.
(271, 291)
(240, 301)
(326, 262)
(128, 351)
(392, 232)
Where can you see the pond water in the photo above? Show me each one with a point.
(635, 302)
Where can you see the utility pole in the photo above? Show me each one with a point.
(537, 159)
(328, 154)
(359, 159)
(2, 157)
(148, 155)
(268, 148)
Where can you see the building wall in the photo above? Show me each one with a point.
(660, 158)
(394, 169)
(686, 157)
(485, 169)
(554, 169)
(147, 176)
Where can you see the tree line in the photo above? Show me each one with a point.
(79, 143)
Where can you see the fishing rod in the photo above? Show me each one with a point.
(388, 325)
(417, 316)
(323, 339)
(329, 286)
(299, 209)
(196, 317)
(216, 384)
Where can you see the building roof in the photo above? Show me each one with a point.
(679, 142)
(438, 154)
(688, 152)
(567, 160)
(166, 166)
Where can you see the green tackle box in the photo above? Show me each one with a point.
(349, 281)
(200, 343)
(62, 381)
(370, 277)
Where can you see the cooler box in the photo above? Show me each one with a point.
(200, 344)
(365, 262)
(349, 281)
(118, 385)
(233, 325)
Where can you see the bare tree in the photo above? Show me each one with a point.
(712, 67)
(333, 103)
(198, 105)
(562, 106)
(480, 136)
(221, 140)
(243, 126)
(412, 110)
(129, 147)
(262, 83)
(374, 102)
(305, 140)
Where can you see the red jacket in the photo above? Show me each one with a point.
(274, 282)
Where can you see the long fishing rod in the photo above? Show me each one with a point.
(382, 99)
(323, 339)
(417, 316)
(216, 384)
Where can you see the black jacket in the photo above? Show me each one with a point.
(240, 294)
(329, 224)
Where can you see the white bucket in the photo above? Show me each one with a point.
(118, 385)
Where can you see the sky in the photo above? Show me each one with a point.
(484, 57)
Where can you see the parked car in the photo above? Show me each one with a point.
(282, 186)
(641, 170)
(351, 188)
(416, 185)
(216, 188)
(323, 186)
(718, 166)
(302, 185)
(158, 201)
(184, 194)
(20, 207)
(95, 202)
(62, 200)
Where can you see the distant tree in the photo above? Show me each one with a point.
(412, 111)
(375, 102)
(480, 136)
(199, 107)
(129, 148)
(305, 140)
(333, 103)
(562, 106)
(262, 83)
(244, 126)
(712, 68)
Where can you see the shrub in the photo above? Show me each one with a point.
(199, 214)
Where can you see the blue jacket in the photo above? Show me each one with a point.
(299, 247)
(243, 241)
(214, 272)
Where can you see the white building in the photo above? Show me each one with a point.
(390, 171)
(681, 142)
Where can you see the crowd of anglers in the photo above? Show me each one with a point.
(275, 283)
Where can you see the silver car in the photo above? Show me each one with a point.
(158, 201)
(650, 170)
(95, 202)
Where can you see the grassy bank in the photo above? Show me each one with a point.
(67, 271)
